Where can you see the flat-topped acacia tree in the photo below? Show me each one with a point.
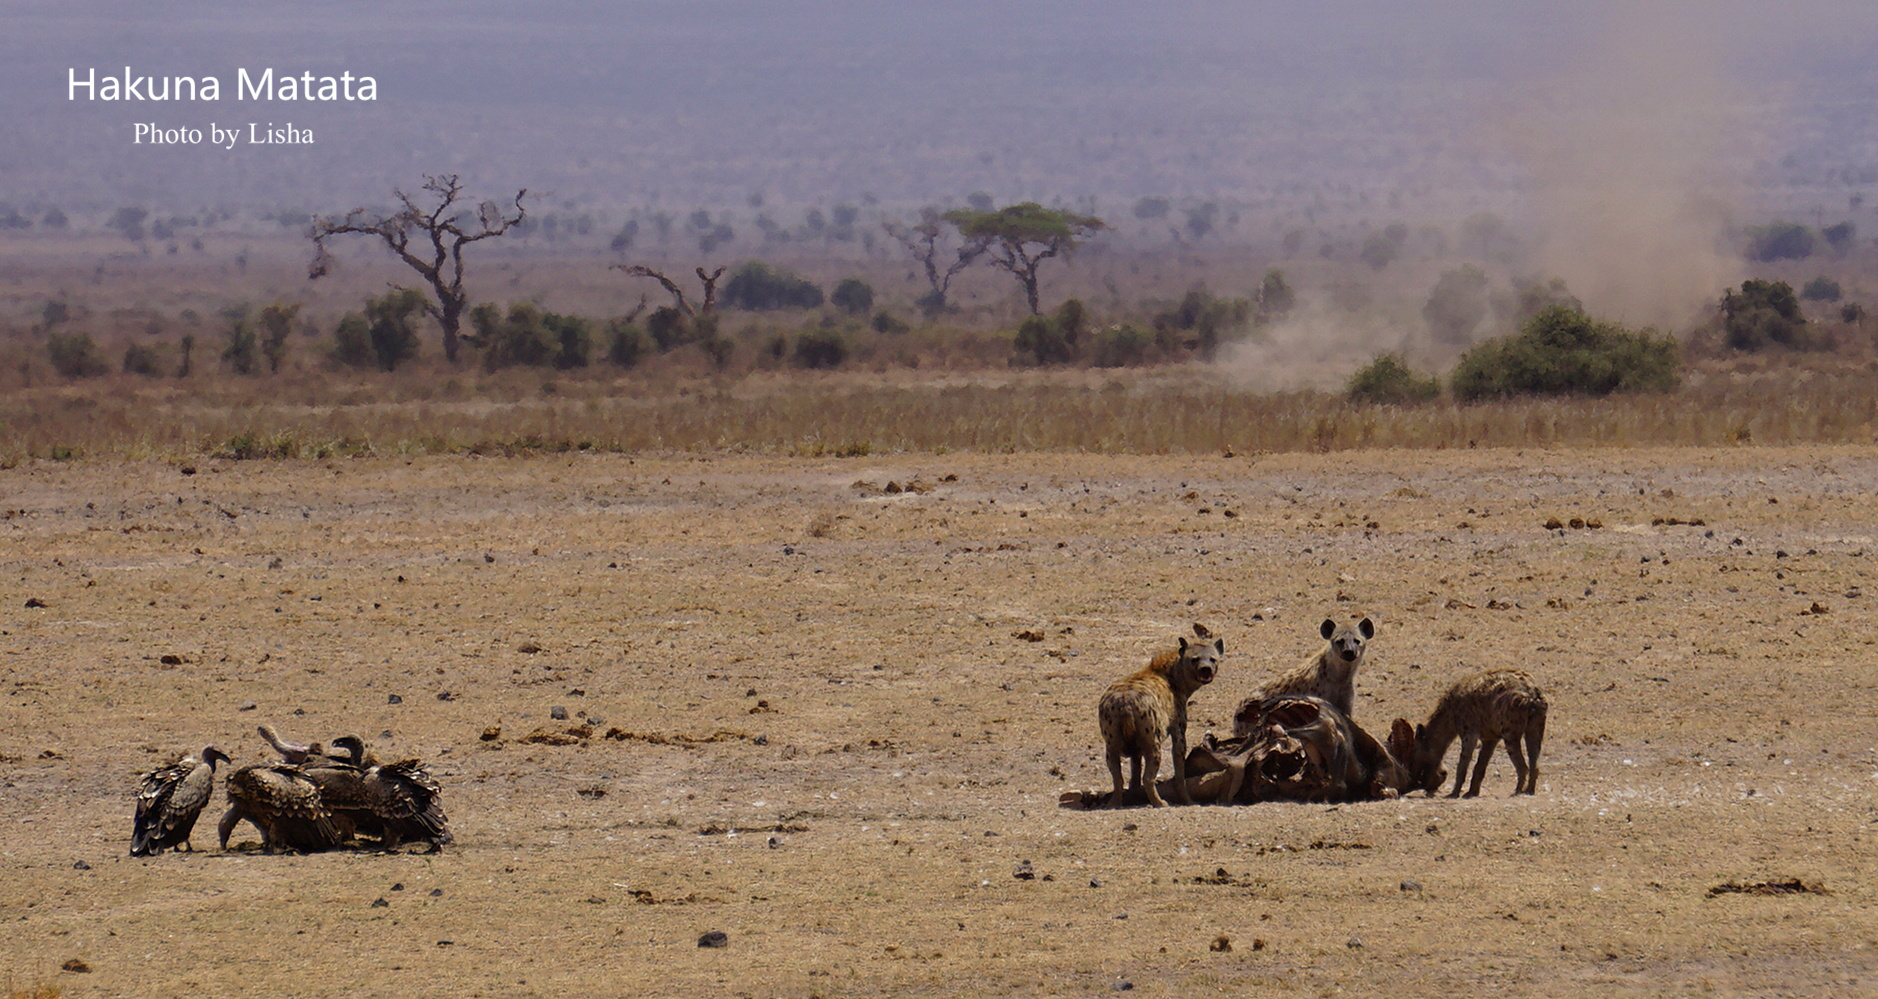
(1019, 238)
(429, 240)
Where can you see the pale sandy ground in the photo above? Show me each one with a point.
(840, 747)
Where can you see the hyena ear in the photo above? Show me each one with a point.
(1219, 646)
(1367, 627)
(1183, 643)
(1199, 630)
(1328, 628)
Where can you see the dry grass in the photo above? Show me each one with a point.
(1171, 410)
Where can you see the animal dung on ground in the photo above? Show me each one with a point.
(1790, 886)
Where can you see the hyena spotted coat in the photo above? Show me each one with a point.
(1137, 711)
(1330, 674)
(1490, 707)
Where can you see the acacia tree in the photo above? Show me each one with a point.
(429, 240)
(1019, 238)
(926, 241)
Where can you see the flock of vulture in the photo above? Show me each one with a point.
(313, 799)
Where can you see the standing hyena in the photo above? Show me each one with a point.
(1330, 674)
(1138, 710)
(1499, 704)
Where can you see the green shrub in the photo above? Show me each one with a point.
(1562, 351)
(352, 342)
(1054, 339)
(1821, 289)
(758, 286)
(74, 355)
(626, 343)
(1388, 380)
(393, 319)
(853, 296)
(1275, 299)
(1762, 314)
(244, 347)
(1457, 304)
(1201, 322)
(1840, 236)
(276, 323)
(1779, 241)
(573, 339)
(519, 339)
(889, 324)
(1121, 346)
(820, 349)
(142, 359)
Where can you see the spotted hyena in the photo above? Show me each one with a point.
(1499, 704)
(1138, 710)
(1330, 674)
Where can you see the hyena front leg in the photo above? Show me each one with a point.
(1181, 793)
(1468, 739)
(1487, 742)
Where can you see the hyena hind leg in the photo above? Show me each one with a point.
(1150, 769)
(1115, 774)
(1522, 770)
(1535, 734)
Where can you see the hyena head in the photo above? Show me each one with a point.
(1346, 641)
(1426, 773)
(1199, 663)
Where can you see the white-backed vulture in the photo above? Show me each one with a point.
(169, 800)
(402, 802)
(282, 802)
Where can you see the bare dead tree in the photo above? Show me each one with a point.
(925, 240)
(709, 280)
(429, 240)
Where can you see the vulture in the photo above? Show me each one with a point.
(170, 799)
(396, 803)
(282, 802)
(400, 802)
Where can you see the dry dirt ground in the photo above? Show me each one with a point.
(842, 712)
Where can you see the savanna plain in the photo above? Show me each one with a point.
(827, 706)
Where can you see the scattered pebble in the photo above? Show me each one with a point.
(76, 964)
(1024, 871)
(380, 903)
(558, 713)
(393, 699)
(1411, 886)
(247, 706)
(715, 938)
(80, 865)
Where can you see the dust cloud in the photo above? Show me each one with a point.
(1638, 154)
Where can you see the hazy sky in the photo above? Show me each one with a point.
(652, 101)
